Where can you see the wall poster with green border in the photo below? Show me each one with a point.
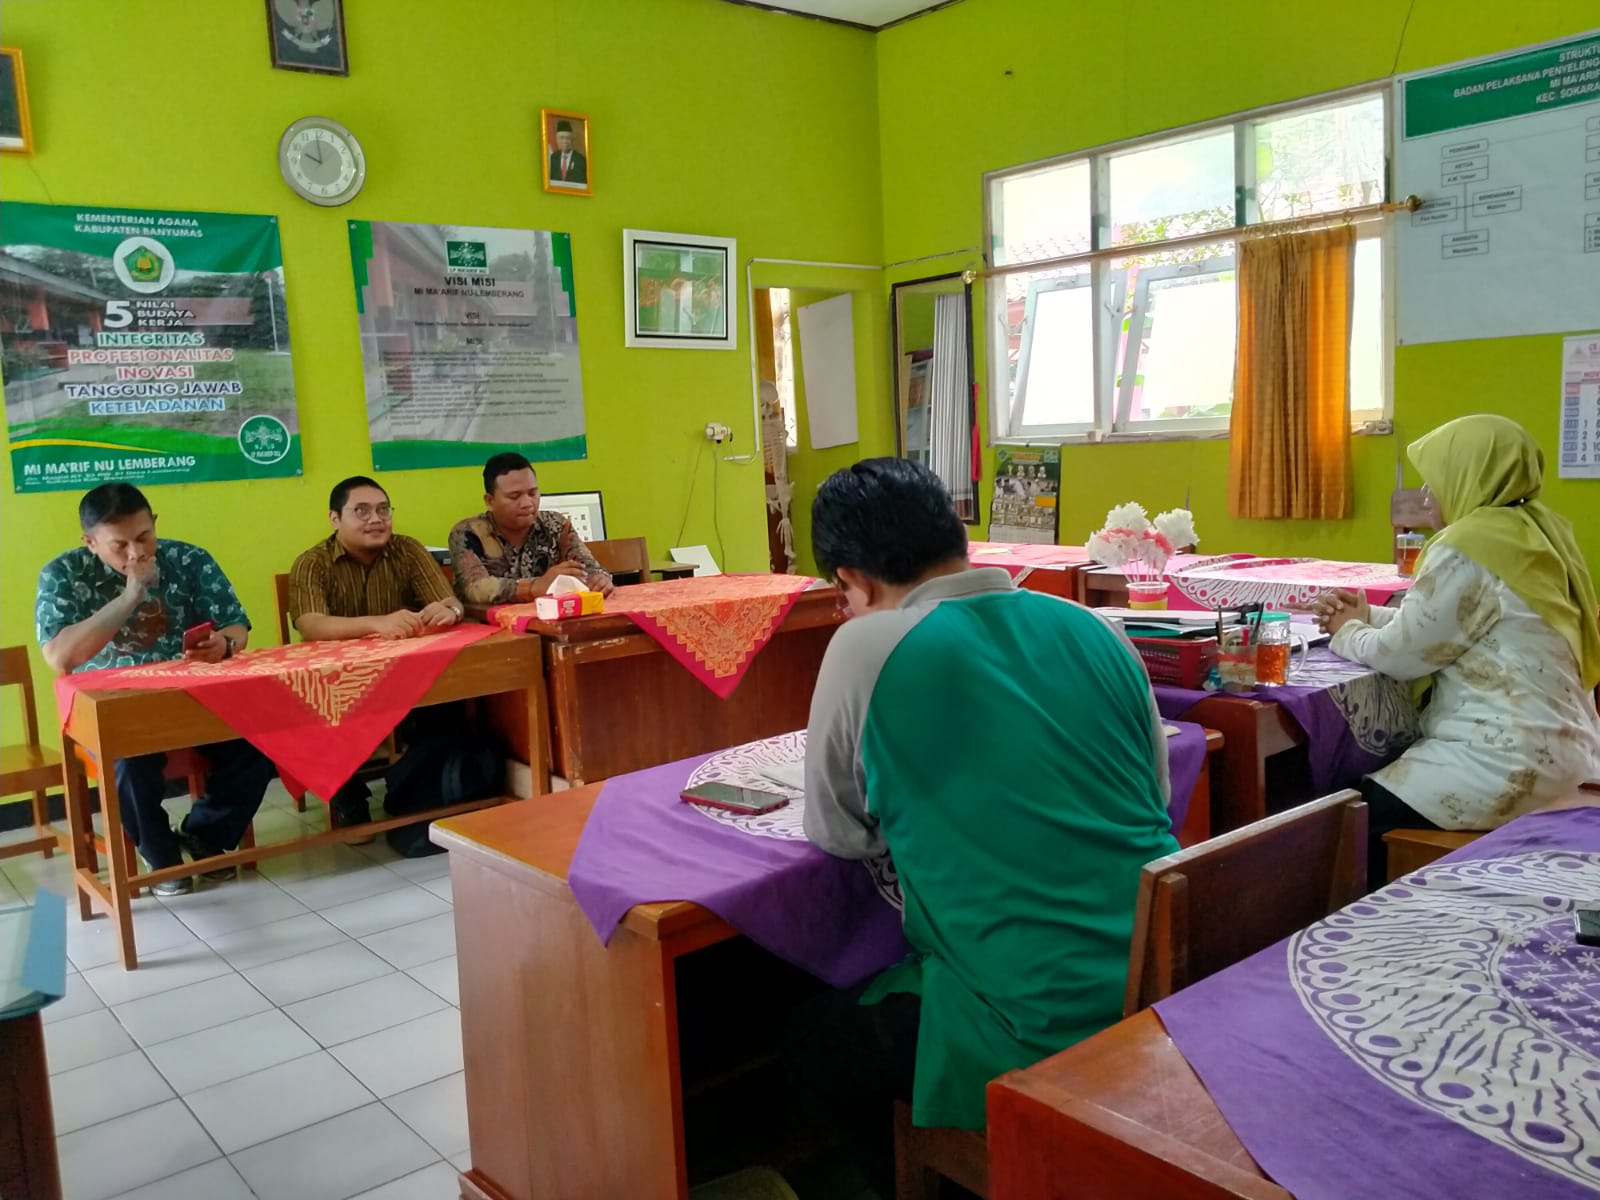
(469, 343)
(145, 345)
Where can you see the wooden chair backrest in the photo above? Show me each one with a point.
(623, 554)
(280, 589)
(1216, 903)
(15, 669)
(1407, 510)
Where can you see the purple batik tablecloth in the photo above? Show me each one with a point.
(1440, 1038)
(838, 920)
(1355, 720)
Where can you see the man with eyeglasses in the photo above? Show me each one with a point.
(365, 580)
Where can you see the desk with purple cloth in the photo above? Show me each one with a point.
(573, 916)
(1439, 1038)
(1350, 719)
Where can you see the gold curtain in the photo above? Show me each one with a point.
(1290, 429)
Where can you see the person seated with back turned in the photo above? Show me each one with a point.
(366, 580)
(124, 598)
(1502, 617)
(1003, 748)
(512, 553)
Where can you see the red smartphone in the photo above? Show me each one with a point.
(193, 636)
(747, 801)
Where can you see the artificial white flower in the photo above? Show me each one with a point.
(1128, 516)
(1178, 525)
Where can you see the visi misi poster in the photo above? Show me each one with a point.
(143, 345)
(469, 343)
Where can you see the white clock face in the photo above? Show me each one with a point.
(321, 160)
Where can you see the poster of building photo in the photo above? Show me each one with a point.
(150, 346)
(469, 343)
(1026, 485)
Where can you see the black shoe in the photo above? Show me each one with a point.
(345, 811)
(181, 886)
(199, 852)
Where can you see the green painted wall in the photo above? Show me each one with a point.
(987, 84)
(707, 118)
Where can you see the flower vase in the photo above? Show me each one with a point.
(1146, 595)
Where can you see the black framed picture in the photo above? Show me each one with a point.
(16, 128)
(308, 35)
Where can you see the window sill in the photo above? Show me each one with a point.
(1137, 437)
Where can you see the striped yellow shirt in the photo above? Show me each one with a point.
(329, 581)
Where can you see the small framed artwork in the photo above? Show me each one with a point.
(565, 139)
(308, 35)
(586, 511)
(680, 290)
(16, 127)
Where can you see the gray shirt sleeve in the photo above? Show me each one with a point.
(838, 818)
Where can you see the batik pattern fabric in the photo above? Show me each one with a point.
(490, 570)
(190, 589)
(317, 709)
(1508, 725)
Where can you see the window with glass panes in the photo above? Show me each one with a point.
(1144, 342)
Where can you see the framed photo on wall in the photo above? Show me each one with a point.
(586, 511)
(308, 35)
(16, 127)
(680, 290)
(564, 138)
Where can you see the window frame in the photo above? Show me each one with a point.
(1006, 410)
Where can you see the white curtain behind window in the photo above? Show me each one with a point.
(950, 402)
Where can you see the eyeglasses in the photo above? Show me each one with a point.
(365, 512)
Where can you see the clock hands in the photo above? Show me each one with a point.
(316, 141)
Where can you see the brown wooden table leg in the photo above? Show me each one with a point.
(567, 738)
(28, 1165)
(80, 829)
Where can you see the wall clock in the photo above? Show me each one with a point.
(322, 161)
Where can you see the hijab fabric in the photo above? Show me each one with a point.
(1486, 472)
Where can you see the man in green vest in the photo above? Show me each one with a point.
(1003, 748)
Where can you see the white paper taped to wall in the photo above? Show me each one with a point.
(828, 370)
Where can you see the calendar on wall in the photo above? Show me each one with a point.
(1579, 457)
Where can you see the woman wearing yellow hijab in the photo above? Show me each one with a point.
(1502, 620)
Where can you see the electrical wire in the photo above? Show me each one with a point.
(1405, 25)
(694, 474)
(716, 516)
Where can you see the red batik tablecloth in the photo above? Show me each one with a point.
(316, 709)
(713, 625)
(1280, 583)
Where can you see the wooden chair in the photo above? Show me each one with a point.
(1208, 907)
(28, 767)
(623, 557)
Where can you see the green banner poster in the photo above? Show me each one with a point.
(469, 343)
(1512, 85)
(144, 345)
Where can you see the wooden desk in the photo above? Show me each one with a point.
(668, 569)
(1197, 820)
(620, 703)
(110, 725)
(1253, 731)
(1120, 1116)
(572, 1069)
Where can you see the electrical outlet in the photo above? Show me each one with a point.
(717, 432)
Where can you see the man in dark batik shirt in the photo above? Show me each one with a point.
(125, 598)
(513, 552)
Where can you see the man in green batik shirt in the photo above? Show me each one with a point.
(1003, 748)
(125, 598)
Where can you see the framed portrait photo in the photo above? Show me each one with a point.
(564, 138)
(16, 128)
(308, 35)
(680, 290)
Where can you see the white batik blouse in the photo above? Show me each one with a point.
(1509, 726)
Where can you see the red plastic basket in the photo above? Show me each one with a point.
(1180, 662)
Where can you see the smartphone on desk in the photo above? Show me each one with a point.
(1588, 923)
(747, 801)
(197, 634)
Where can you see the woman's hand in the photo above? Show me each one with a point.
(1338, 607)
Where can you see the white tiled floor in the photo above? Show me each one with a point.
(291, 1034)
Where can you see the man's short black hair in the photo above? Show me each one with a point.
(503, 464)
(887, 517)
(110, 502)
(342, 489)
